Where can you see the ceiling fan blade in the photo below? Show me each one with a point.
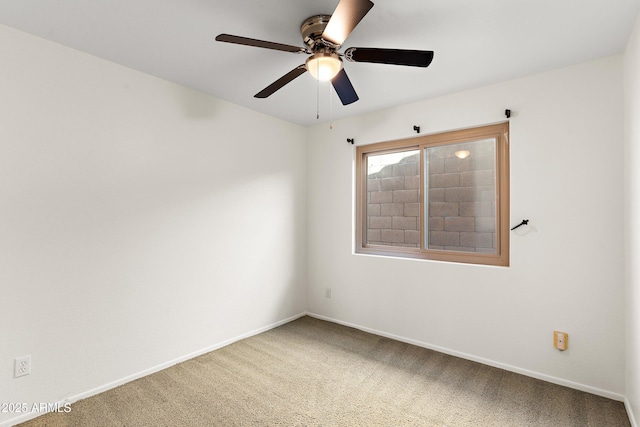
(347, 15)
(228, 38)
(412, 58)
(278, 84)
(344, 88)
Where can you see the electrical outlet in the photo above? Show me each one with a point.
(22, 366)
(327, 292)
(560, 340)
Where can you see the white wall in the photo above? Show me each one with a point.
(140, 221)
(566, 268)
(125, 216)
(632, 213)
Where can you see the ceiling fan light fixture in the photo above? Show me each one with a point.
(324, 66)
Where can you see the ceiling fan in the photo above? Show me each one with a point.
(323, 35)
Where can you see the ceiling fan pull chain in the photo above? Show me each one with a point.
(318, 93)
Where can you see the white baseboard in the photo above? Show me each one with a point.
(506, 367)
(582, 387)
(632, 418)
(30, 415)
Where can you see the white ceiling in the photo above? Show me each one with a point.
(476, 42)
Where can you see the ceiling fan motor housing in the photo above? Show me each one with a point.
(312, 29)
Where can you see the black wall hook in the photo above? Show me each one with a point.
(524, 222)
(350, 141)
(417, 129)
(507, 113)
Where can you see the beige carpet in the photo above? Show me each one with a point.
(315, 373)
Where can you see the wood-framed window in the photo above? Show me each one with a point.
(440, 197)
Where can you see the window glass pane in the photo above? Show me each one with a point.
(393, 208)
(461, 197)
